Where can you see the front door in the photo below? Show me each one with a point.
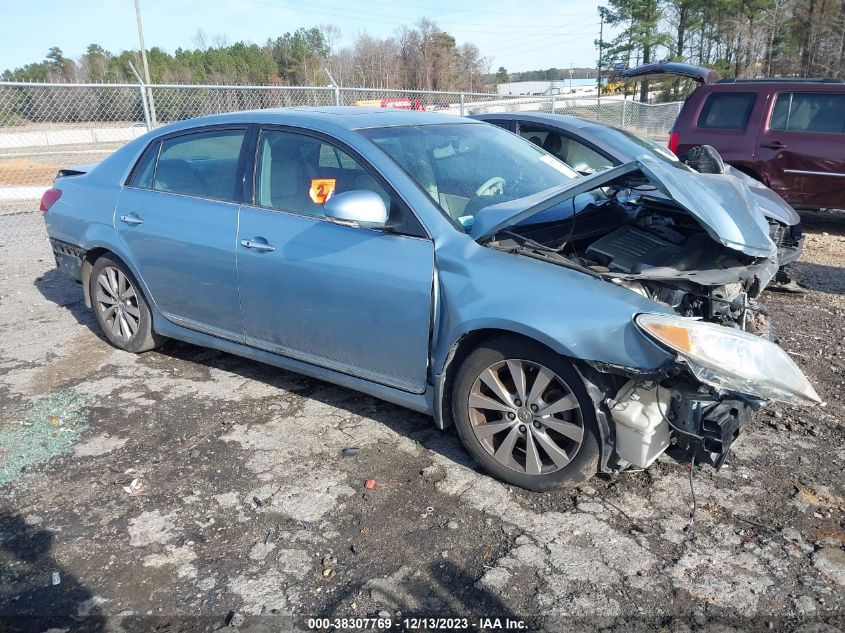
(354, 300)
(178, 218)
(803, 147)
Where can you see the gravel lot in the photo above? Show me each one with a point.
(170, 489)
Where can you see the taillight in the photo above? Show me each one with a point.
(674, 137)
(49, 199)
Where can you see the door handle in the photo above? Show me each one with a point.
(773, 145)
(261, 247)
(131, 219)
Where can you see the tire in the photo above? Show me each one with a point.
(126, 324)
(510, 438)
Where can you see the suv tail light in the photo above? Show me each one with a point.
(49, 199)
(674, 137)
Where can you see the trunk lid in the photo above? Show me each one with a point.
(697, 73)
(76, 170)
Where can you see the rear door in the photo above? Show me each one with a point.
(353, 300)
(178, 217)
(803, 147)
(726, 119)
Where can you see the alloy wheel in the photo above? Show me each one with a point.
(117, 302)
(526, 416)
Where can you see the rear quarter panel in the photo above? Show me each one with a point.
(84, 215)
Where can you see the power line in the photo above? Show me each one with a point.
(339, 12)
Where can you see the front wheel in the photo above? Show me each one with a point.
(524, 414)
(120, 307)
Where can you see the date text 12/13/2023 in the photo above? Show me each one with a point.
(419, 623)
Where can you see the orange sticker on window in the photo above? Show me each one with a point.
(321, 189)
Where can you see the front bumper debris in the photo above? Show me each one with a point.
(707, 426)
(789, 241)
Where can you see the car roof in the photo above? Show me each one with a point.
(782, 80)
(583, 129)
(328, 117)
(559, 120)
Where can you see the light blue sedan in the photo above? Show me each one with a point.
(442, 264)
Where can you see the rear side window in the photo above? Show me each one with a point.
(809, 112)
(203, 164)
(727, 110)
(142, 176)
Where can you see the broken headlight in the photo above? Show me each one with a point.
(731, 359)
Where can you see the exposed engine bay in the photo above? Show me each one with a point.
(652, 247)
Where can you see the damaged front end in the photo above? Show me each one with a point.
(650, 415)
(703, 399)
(697, 244)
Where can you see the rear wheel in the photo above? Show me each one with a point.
(523, 413)
(120, 307)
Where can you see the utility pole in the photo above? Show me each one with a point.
(146, 67)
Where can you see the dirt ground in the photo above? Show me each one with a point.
(189, 490)
(38, 165)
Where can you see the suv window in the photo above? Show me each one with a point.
(299, 173)
(577, 155)
(728, 110)
(809, 112)
(201, 164)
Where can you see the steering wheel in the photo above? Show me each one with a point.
(495, 186)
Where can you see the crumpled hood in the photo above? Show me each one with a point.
(723, 205)
(772, 205)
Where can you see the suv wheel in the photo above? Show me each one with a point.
(523, 413)
(120, 307)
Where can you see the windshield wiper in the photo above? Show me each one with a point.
(532, 243)
(535, 250)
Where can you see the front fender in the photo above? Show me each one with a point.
(573, 313)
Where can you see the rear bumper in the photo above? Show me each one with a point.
(69, 258)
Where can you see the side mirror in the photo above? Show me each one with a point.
(357, 208)
(705, 159)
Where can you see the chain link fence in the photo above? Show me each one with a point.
(44, 127)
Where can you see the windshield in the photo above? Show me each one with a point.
(466, 167)
(637, 147)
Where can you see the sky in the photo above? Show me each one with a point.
(523, 35)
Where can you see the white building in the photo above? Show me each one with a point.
(532, 88)
(545, 88)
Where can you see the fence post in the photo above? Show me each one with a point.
(624, 104)
(144, 104)
(462, 104)
(553, 101)
(146, 107)
(337, 95)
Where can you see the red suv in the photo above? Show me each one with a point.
(787, 133)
